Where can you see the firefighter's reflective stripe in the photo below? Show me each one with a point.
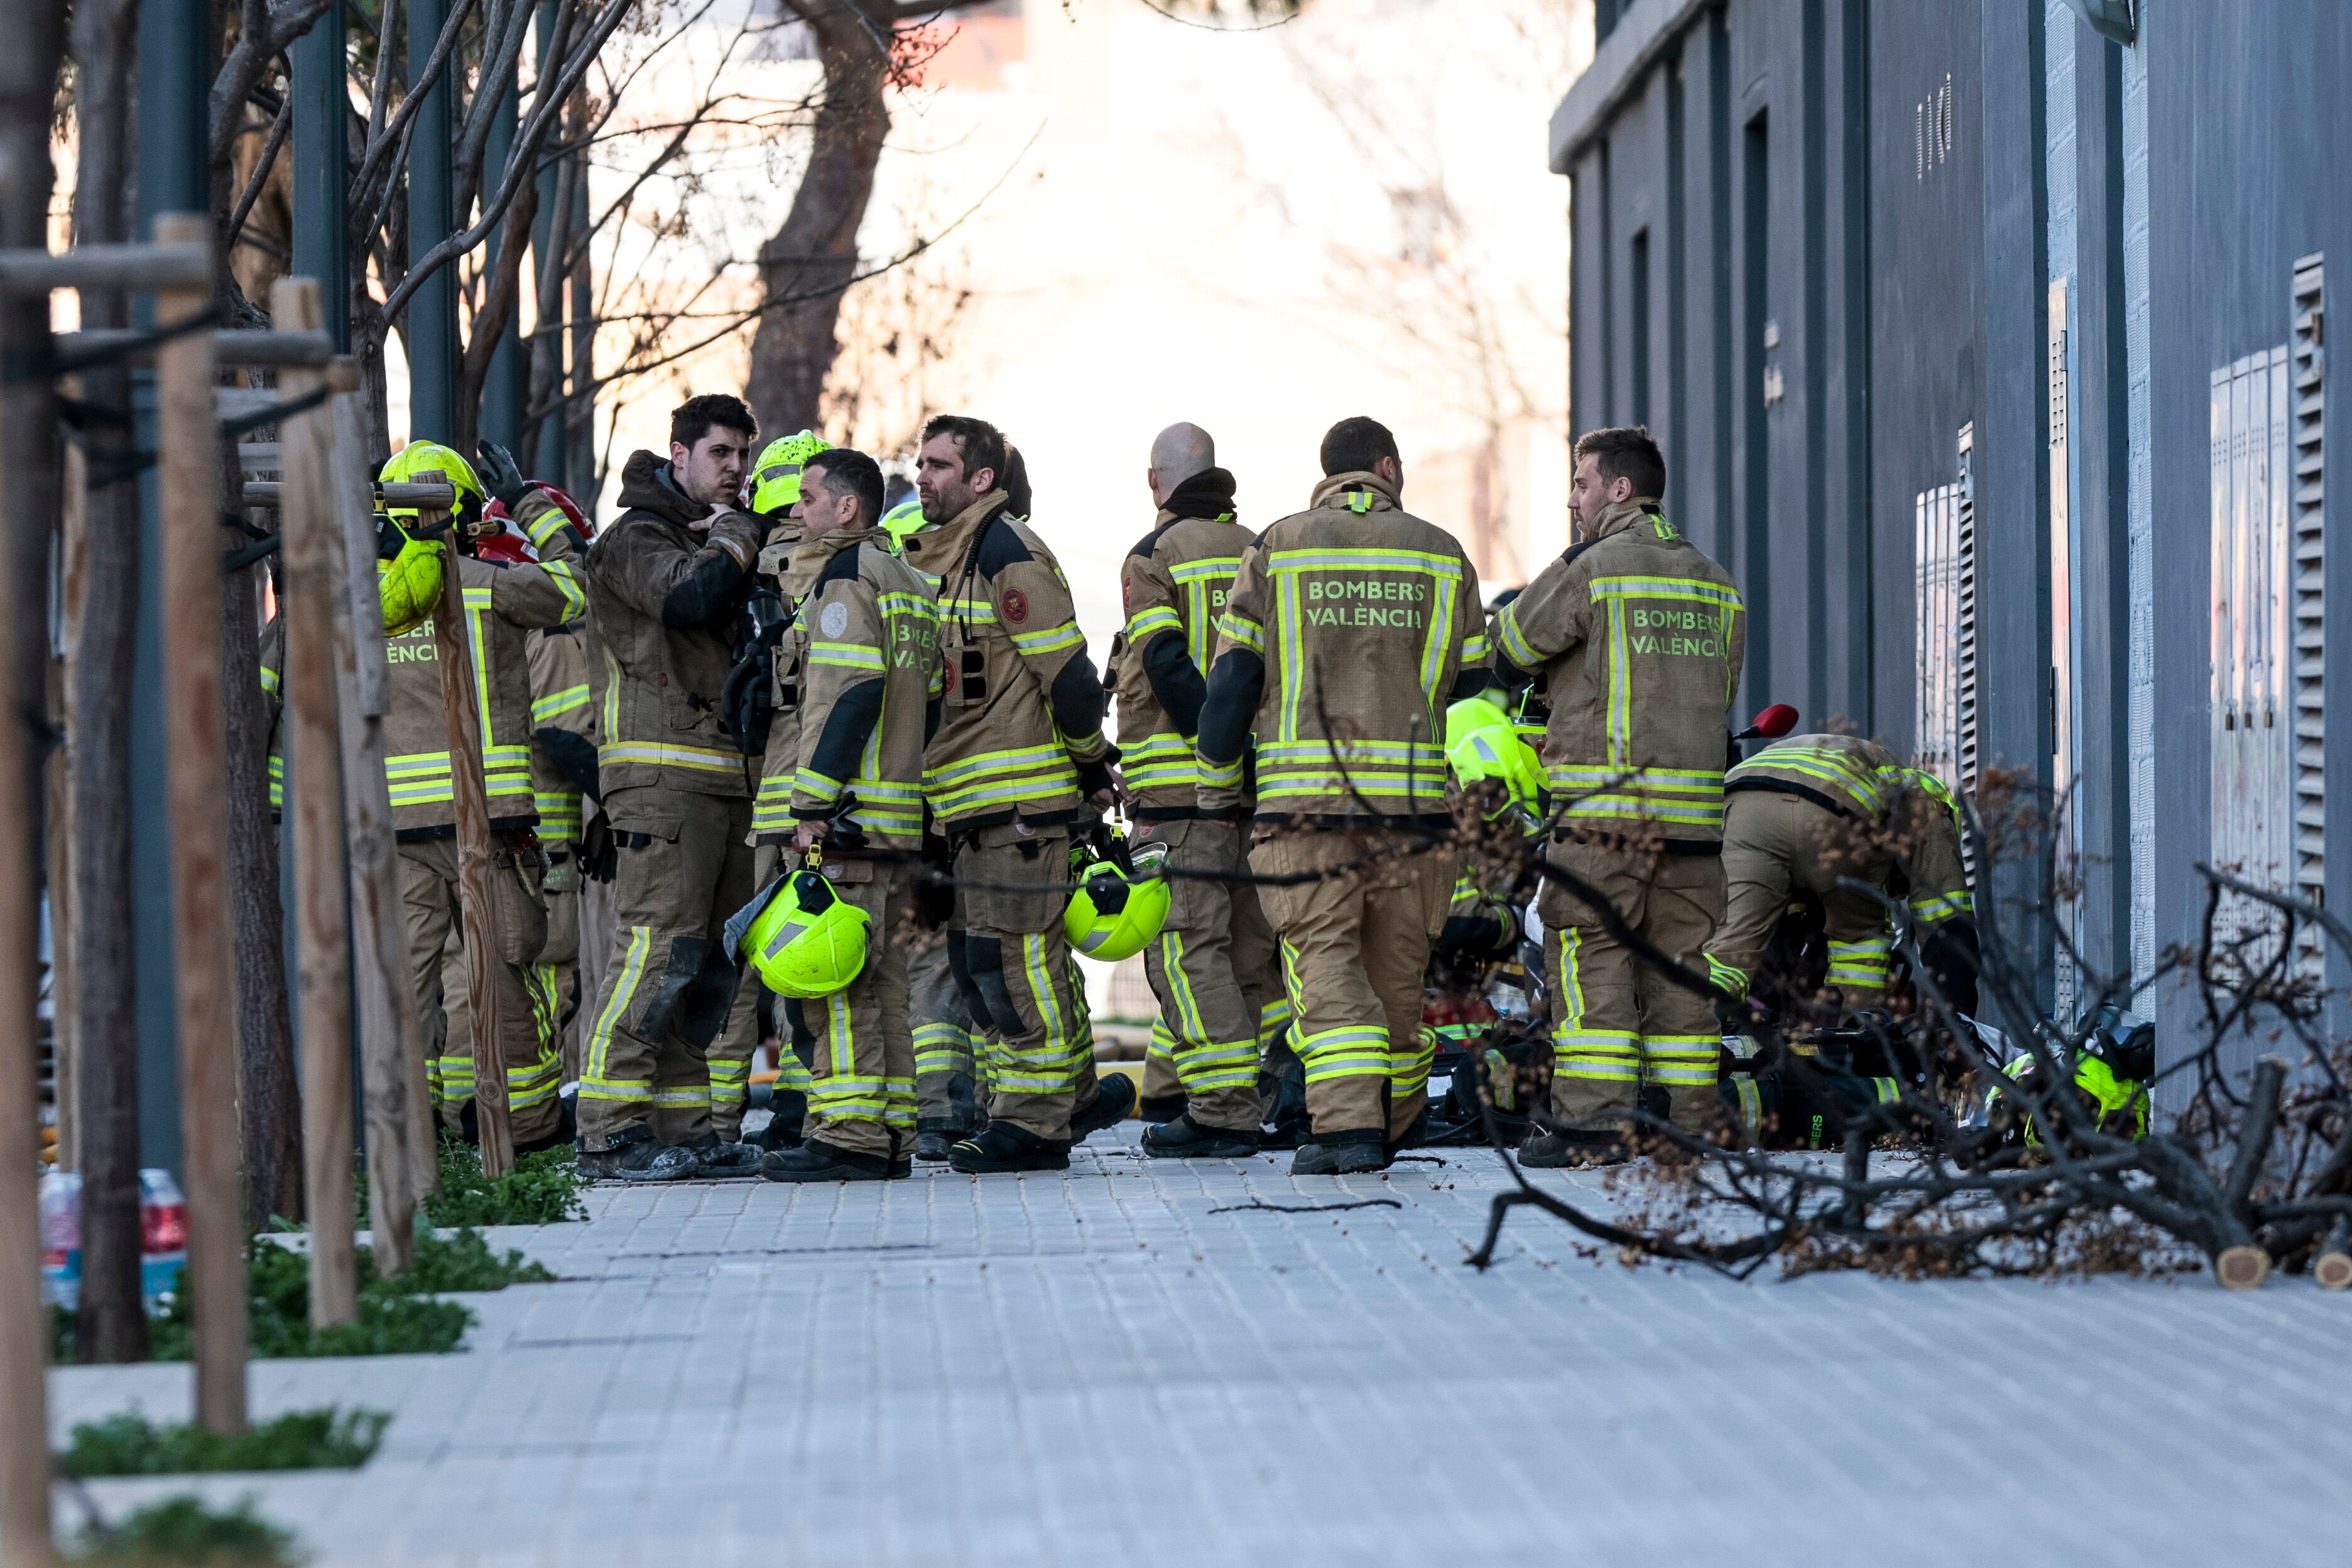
(729, 1081)
(1612, 1056)
(847, 655)
(1389, 773)
(1242, 630)
(1159, 761)
(555, 704)
(941, 1048)
(1860, 962)
(1206, 580)
(1151, 621)
(1050, 1065)
(421, 778)
(1201, 1063)
(1943, 906)
(1863, 788)
(594, 1082)
(988, 779)
(1409, 1064)
(559, 814)
(1681, 1059)
(1680, 796)
(1051, 640)
(700, 758)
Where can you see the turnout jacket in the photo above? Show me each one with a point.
(565, 675)
(503, 604)
(1020, 732)
(1174, 585)
(1639, 638)
(854, 676)
(662, 600)
(1349, 628)
(1863, 782)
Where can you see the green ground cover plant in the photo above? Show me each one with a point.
(327, 1439)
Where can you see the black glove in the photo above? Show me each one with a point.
(502, 475)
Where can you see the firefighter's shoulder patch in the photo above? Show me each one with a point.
(1016, 605)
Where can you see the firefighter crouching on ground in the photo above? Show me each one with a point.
(853, 677)
(664, 583)
(1638, 637)
(1211, 965)
(503, 604)
(1809, 810)
(1350, 628)
(1018, 754)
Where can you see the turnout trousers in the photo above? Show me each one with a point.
(1355, 943)
(669, 1033)
(1018, 976)
(861, 1064)
(1210, 968)
(1776, 844)
(1616, 1023)
(949, 1091)
(428, 895)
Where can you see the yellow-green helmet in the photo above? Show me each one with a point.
(902, 519)
(776, 479)
(1482, 743)
(806, 940)
(426, 457)
(409, 584)
(1115, 914)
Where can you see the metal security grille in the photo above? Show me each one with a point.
(2307, 368)
(1945, 557)
(2255, 624)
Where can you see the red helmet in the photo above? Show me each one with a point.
(509, 546)
(513, 546)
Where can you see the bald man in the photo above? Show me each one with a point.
(1212, 966)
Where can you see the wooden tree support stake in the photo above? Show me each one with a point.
(196, 732)
(454, 651)
(399, 1114)
(315, 754)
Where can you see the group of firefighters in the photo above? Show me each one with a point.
(845, 772)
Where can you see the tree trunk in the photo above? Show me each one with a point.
(113, 1321)
(808, 265)
(268, 1100)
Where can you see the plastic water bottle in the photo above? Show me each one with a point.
(162, 1233)
(61, 1239)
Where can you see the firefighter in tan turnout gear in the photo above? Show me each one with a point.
(1211, 964)
(854, 678)
(1810, 813)
(665, 585)
(1638, 639)
(1018, 757)
(1350, 628)
(504, 603)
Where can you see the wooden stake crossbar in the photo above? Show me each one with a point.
(431, 497)
(230, 346)
(175, 267)
(454, 651)
(315, 759)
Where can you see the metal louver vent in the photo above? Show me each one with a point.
(2306, 368)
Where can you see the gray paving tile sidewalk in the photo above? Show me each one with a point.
(1097, 1368)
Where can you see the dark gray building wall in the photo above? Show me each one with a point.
(2250, 150)
(1892, 298)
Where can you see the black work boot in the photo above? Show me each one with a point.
(931, 1144)
(818, 1161)
(1571, 1147)
(789, 1112)
(1001, 1146)
(1115, 1096)
(1160, 1108)
(1185, 1139)
(723, 1162)
(1355, 1152)
(634, 1156)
